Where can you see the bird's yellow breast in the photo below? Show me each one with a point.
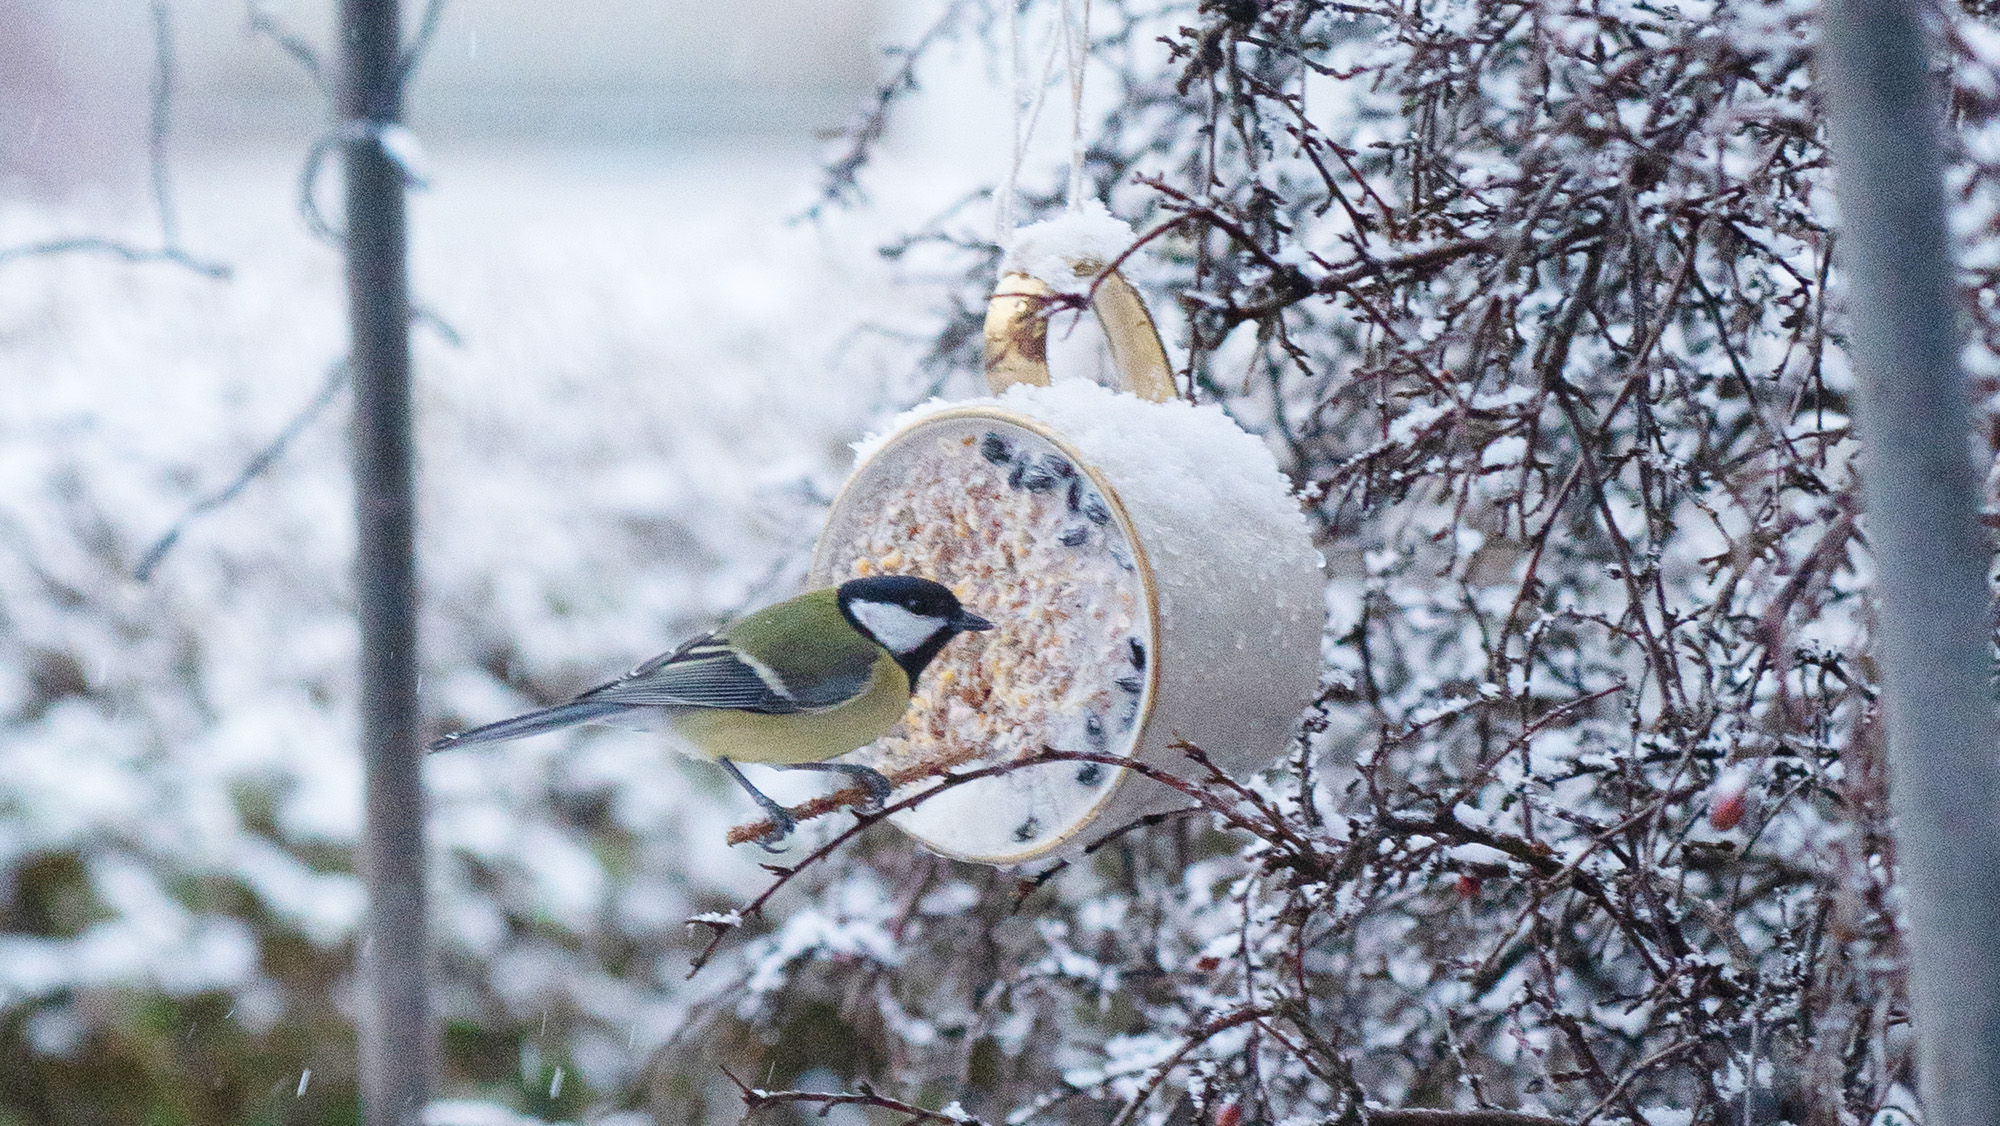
(802, 736)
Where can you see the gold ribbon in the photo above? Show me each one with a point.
(1017, 334)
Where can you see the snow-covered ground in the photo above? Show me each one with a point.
(629, 427)
(657, 379)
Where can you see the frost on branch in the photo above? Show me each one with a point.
(1537, 305)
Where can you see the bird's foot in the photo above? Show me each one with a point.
(782, 824)
(879, 787)
(781, 819)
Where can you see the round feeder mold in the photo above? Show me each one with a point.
(1150, 575)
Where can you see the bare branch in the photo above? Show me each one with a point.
(260, 463)
(420, 44)
(159, 129)
(260, 22)
(755, 1100)
(125, 252)
(841, 175)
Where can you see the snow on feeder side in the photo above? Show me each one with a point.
(1151, 577)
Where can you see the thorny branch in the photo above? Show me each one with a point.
(1588, 822)
(755, 1100)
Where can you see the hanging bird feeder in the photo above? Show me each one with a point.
(1151, 576)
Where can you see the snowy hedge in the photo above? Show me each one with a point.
(1535, 303)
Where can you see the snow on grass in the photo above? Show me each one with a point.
(657, 384)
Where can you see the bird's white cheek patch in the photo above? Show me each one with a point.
(899, 630)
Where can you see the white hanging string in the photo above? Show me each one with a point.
(1076, 54)
(1017, 80)
(1026, 98)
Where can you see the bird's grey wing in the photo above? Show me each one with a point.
(705, 673)
(837, 685)
(705, 641)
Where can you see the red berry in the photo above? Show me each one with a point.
(1726, 810)
(1229, 1115)
(1467, 886)
(1731, 800)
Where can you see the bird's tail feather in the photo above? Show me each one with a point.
(534, 723)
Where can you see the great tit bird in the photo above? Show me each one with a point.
(791, 685)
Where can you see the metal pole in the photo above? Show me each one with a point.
(1931, 555)
(396, 1042)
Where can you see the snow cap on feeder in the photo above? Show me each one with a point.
(1070, 256)
(1069, 251)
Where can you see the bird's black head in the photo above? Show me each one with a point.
(910, 617)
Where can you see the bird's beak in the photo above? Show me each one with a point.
(968, 622)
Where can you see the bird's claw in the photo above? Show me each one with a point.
(879, 789)
(781, 819)
(782, 824)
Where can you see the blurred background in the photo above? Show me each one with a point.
(774, 73)
(644, 344)
(638, 374)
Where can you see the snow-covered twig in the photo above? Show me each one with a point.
(755, 1100)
